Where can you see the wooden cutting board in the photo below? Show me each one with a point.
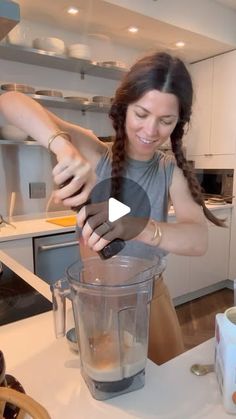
(68, 221)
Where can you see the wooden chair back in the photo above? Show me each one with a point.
(26, 404)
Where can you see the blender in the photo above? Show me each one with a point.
(111, 302)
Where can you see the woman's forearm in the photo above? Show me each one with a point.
(181, 238)
(28, 115)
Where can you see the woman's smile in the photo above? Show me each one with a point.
(146, 141)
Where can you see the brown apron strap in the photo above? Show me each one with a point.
(165, 336)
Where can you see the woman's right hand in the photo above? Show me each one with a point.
(72, 165)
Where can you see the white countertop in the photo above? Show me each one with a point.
(50, 373)
(211, 207)
(27, 226)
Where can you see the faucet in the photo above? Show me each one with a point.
(4, 223)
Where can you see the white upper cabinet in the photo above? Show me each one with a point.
(223, 127)
(213, 130)
(198, 137)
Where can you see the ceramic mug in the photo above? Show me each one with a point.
(230, 314)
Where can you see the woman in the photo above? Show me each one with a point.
(152, 104)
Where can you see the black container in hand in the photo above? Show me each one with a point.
(112, 248)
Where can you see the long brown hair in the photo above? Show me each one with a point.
(168, 74)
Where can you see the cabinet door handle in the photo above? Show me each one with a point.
(45, 247)
(208, 155)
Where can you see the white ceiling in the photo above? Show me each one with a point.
(102, 18)
(228, 3)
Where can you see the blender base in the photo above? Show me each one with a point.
(103, 390)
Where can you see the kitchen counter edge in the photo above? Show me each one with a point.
(40, 226)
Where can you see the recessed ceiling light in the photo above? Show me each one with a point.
(72, 10)
(180, 44)
(133, 29)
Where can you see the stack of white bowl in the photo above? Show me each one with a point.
(103, 100)
(50, 44)
(118, 64)
(81, 51)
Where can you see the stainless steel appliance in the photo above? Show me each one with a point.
(216, 182)
(53, 254)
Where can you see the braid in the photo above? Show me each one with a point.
(188, 172)
(117, 114)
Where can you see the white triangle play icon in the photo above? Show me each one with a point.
(116, 209)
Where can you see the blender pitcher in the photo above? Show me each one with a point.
(111, 302)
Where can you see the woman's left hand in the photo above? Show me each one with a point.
(98, 231)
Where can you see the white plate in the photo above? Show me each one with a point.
(77, 99)
(209, 202)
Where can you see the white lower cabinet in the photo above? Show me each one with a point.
(186, 274)
(21, 250)
(177, 275)
(213, 266)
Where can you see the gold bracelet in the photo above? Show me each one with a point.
(53, 136)
(157, 232)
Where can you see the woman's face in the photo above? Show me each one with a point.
(149, 123)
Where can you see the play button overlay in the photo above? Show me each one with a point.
(116, 209)
(115, 200)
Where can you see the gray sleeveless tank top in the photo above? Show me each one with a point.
(155, 177)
